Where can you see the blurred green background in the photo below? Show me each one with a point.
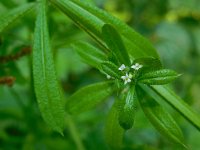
(173, 26)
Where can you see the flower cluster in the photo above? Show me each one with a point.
(128, 76)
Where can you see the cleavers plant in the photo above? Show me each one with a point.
(127, 78)
(130, 63)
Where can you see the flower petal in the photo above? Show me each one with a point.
(122, 67)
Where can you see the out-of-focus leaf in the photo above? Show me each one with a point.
(48, 92)
(9, 4)
(65, 58)
(115, 43)
(161, 119)
(14, 14)
(88, 97)
(175, 101)
(169, 48)
(92, 19)
(127, 110)
(158, 77)
(113, 131)
(90, 54)
(110, 69)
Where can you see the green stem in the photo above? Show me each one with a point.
(74, 133)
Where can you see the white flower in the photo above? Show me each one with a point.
(108, 76)
(127, 78)
(137, 66)
(122, 67)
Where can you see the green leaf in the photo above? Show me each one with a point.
(112, 57)
(176, 102)
(90, 54)
(111, 69)
(91, 19)
(149, 64)
(115, 43)
(127, 109)
(14, 14)
(161, 119)
(81, 17)
(88, 97)
(48, 92)
(136, 44)
(9, 4)
(158, 77)
(113, 131)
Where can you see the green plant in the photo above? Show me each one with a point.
(123, 56)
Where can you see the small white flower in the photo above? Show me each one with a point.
(108, 76)
(122, 67)
(126, 78)
(137, 66)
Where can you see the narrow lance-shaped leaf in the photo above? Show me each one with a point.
(127, 109)
(14, 14)
(48, 92)
(161, 119)
(80, 16)
(176, 102)
(148, 64)
(91, 19)
(115, 43)
(90, 54)
(113, 131)
(141, 45)
(111, 69)
(158, 77)
(88, 97)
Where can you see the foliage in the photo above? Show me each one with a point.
(121, 54)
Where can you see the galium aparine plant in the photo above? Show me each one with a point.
(130, 62)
